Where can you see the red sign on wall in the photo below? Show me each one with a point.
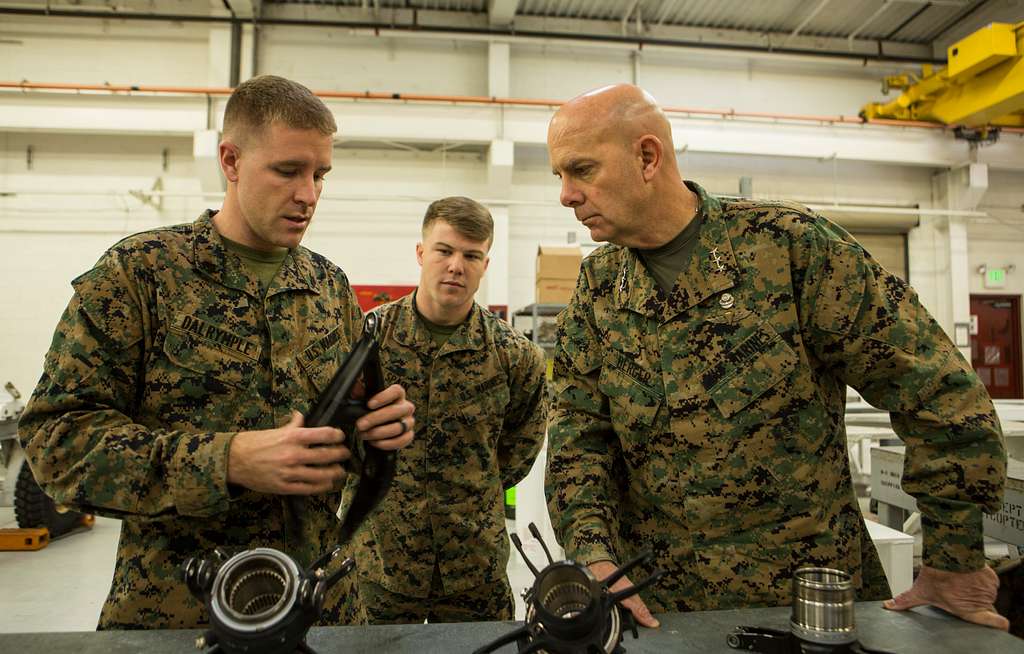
(371, 295)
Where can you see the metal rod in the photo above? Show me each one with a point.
(519, 546)
(878, 12)
(536, 534)
(803, 23)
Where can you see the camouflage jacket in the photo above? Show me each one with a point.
(708, 424)
(480, 419)
(167, 349)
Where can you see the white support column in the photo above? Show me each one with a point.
(500, 160)
(219, 56)
(929, 267)
(960, 284)
(944, 283)
(498, 269)
(205, 148)
(248, 43)
(498, 75)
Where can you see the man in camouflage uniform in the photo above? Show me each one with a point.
(180, 352)
(437, 548)
(700, 377)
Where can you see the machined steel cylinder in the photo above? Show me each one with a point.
(823, 606)
(255, 589)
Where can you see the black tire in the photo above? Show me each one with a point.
(32, 507)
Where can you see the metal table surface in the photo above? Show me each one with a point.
(921, 631)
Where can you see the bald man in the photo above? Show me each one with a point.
(700, 379)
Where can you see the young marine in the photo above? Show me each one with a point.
(437, 548)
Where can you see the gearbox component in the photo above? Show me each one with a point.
(569, 611)
(259, 601)
(822, 620)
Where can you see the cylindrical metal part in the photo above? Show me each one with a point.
(567, 601)
(255, 590)
(823, 606)
(568, 598)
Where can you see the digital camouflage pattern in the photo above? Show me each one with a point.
(489, 601)
(167, 349)
(708, 424)
(480, 421)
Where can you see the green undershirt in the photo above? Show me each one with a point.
(263, 264)
(666, 262)
(438, 333)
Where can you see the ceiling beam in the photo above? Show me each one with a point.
(501, 13)
(244, 8)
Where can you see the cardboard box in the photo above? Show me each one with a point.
(554, 291)
(559, 262)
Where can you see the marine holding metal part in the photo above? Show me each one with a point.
(570, 611)
(259, 601)
(171, 393)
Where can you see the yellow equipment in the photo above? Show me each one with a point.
(12, 540)
(981, 87)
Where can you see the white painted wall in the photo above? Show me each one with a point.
(997, 241)
(87, 51)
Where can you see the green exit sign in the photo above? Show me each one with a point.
(995, 278)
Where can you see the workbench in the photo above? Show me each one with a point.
(921, 631)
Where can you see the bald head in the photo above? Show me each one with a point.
(612, 150)
(622, 111)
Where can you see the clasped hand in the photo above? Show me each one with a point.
(284, 461)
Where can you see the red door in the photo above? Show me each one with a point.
(995, 348)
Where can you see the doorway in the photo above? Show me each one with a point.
(995, 344)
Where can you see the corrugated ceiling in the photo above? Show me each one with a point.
(919, 22)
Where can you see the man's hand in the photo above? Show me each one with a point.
(636, 606)
(968, 595)
(280, 461)
(389, 424)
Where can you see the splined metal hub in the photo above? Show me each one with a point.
(569, 605)
(255, 588)
(570, 611)
(259, 601)
(256, 591)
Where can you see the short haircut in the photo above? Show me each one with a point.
(259, 102)
(468, 217)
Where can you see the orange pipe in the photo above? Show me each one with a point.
(116, 88)
(732, 113)
(422, 97)
(471, 99)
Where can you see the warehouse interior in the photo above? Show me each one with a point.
(111, 110)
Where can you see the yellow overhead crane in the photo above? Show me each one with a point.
(979, 91)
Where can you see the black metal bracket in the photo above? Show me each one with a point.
(776, 641)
